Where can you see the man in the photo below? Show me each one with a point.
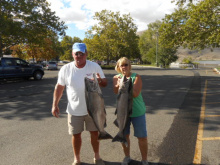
(72, 77)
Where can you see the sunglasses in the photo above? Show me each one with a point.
(79, 54)
(124, 65)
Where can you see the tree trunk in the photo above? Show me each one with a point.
(1, 47)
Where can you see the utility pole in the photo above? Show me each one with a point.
(156, 46)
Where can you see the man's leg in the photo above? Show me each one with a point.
(95, 144)
(76, 143)
(143, 145)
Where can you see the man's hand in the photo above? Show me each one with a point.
(99, 78)
(55, 111)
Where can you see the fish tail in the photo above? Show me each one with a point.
(120, 138)
(104, 135)
(116, 123)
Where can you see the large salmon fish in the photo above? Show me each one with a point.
(123, 108)
(95, 106)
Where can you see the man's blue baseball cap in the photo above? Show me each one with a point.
(79, 47)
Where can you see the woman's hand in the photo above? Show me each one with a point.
(116, 83)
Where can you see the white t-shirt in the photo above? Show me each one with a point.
(73, 78)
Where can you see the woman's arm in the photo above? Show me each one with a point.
(116, 84)
(137, 86)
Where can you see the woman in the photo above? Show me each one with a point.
(138, 118)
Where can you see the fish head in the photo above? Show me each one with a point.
(92, 85)
(125, 84)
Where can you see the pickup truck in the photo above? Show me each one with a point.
(17, 68)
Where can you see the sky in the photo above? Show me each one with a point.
(78, 14)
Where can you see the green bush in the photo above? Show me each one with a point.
(187, 60)
(108, 67)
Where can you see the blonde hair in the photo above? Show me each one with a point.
(121, 61)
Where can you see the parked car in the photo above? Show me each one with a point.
(51, 65)
(99, 62)
(18, 68)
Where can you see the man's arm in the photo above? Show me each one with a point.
(102, 81)
(58, 92)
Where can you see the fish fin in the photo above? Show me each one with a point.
(104, 135)
(105, 125)
(100, 94)
(120, 138)
(119, 94)
(87, 96)
(116, 123)
(90, 113)
(130, 98)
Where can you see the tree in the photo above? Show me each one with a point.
(113, 37)
(152, 51)
(182, 2)
(195, 26)
(66, 45)
(28, 22)
(148, 41)
(49, 49)
(167, 56)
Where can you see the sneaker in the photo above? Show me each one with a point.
(144, 162)
(99, 162)
(126, 160)
(76, 163)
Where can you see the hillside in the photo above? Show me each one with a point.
(196, 55)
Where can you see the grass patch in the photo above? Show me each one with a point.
(146, 65)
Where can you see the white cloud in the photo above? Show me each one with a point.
(80, 12)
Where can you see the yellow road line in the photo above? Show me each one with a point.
(212, 115)
(198, 149)
(213, 94)
(211, 138)
(213, 103)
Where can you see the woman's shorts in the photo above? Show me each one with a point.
(76, 124)
(139, 125)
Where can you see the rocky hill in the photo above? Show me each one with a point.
(196, 55)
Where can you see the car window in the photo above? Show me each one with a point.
(23, 63)
(52, 62)
(18, 62)
(10, 62)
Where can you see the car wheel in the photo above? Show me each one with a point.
(38, 75)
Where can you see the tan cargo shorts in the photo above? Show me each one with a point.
(76, 124)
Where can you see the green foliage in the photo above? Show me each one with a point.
(50, 49)
(167, 56)
(66, 44)
(195, 26)
(187, 60)
(113, 37)
(146, 46)
(182, 2)
(28, 22)
(112, 67)
(152, 51)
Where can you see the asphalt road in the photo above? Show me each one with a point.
(29, 134)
